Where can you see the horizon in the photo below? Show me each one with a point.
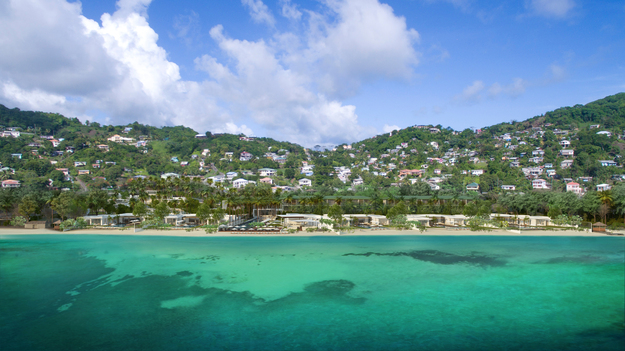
(308, 72)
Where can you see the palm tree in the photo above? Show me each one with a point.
(605, 197)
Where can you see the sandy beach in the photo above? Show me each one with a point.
(201, 233)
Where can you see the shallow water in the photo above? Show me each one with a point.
(305, 293)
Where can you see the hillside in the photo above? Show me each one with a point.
(440, 160)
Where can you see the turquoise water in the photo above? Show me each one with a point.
(318, 293)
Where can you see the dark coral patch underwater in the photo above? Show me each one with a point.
(439, 257)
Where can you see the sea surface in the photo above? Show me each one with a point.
(92, 292)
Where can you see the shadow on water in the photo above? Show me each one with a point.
(439, 257)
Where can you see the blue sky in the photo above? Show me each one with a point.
(310, 72)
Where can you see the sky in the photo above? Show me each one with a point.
(309, 72)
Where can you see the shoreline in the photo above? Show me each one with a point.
(361, 232)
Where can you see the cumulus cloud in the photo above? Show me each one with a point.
(552, 8)
(289, 85)
(259, 11)
(362, 40)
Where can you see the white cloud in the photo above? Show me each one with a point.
(363, 40)
(552, 8)
(74, 65)
(290, 85)
(558, 73)
(290, 11)
(259, 11)
(387, 128)
(472, 92)
(514, 89)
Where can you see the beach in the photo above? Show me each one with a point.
(377, 232)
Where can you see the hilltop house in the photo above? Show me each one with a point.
(508, 187)
(540, 184)
(603, 187)
(245, 156)
(567, 152)
(410, 172)
(305, 182)
(267, 172)
(10, 183)
(566, 164)
(103, 147)
(473, 187)
(607, 163)
(574, 187)
(240, 183)
(565, 143)
(120, 139)
(266, 180)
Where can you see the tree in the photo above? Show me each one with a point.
(27, 206)
(618, 194)
(97, 199)
(204, 212)
(591, 203)
(397, 213)
(160, 211)
(336, 213)
(606, 201)
(62, 204)
(140, 209)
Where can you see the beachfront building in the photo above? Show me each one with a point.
(300, 221)
(111, 219)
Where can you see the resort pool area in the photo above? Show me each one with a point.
(93, 292)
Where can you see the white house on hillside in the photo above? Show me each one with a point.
(239, 183)
(305, 182)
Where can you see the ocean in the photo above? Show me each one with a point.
(93, 292)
